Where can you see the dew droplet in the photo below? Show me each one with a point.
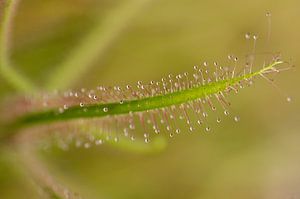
(147, 140)
(191, 129)
(65, 107)
(289, 99)
(121, 102)
(81, 104)
(87, 145)
(247, 36)
(236, 118)
(116, 139)
(226, 112)
(218, 120)
(255, 37)
(125, 130)
(207, 129)
(168, 128)
(91, 138)
(105, 109)
(131, 126)
(199, 122)
(171, 135)
(177, 131)
(268, 14)
(205, 63)
(98, 142)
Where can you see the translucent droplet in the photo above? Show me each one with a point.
(191, 129)
(207, 129)
(91, 138)
(168, 128)
(146, 140)
(171, 135)
(205, 63)
(87, 145)
(131, 126)
(268, 14)
(81, 104)
(255, 37)
(156, 131)
(226, 112)
(218, 120)
(105, 109)
(108, 137)
(177, 131)
(236, 118)
(199, 122)
(132, 138)
(116, 139)
(98, 142)
(289, 99)
(247, 36)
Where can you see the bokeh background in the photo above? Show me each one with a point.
(255, 158)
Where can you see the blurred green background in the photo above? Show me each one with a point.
(255, 158)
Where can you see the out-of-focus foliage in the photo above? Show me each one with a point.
(256, 158)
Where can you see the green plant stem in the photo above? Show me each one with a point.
(137, 105)
(94, 45)
(13, 77)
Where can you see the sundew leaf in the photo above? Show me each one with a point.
(115, 111)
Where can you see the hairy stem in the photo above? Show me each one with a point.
(13, 77)
(137, 105)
